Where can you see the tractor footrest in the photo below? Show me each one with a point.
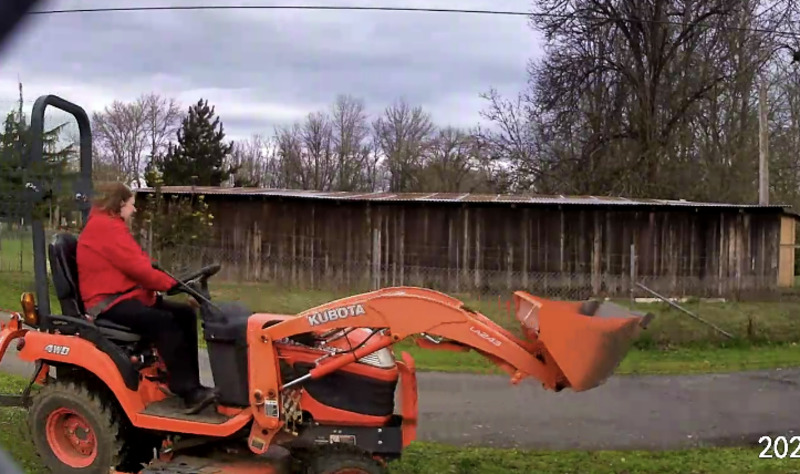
(173, 407)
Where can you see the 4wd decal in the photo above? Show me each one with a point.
(335, 314)
(56, 349)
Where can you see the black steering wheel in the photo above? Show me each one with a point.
(201, 276)
(205, 272)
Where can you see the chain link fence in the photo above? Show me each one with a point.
(362, 274)
(293, 285)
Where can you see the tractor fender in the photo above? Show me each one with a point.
(56, 349)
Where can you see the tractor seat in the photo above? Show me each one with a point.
(116, 332)
(64, 270)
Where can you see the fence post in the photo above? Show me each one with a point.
(633, 272)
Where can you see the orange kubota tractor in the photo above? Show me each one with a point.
(312, 392)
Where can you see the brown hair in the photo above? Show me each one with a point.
(111, 197)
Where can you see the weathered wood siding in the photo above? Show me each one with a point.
(786, 262)
(570, 252)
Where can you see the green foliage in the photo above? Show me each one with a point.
(200, 156)
(54, 174)
(172, 223)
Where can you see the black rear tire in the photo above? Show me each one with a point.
(73, 430)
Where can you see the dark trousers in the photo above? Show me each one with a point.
(172, 328)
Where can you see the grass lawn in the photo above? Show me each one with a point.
(672, 361)
(673, 344)
(766, 333)
(440, 459)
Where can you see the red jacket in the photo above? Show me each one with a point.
(110, 261)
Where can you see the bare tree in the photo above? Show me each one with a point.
(328, 151)
(289, 152)
(254, 164)
(319, 162)
(454, 163)
(642, 99)
(403, 137)
(351, 133)
(126, 134)
(512, 144)
(163, 120)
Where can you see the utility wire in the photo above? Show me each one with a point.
(394, 9)
(280, 7)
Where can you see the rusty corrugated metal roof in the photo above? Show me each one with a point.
(382, 196)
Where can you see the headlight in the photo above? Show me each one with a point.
(382, 359)
(29, 311)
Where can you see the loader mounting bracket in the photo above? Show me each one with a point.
(386, 441)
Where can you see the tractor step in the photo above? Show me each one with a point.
(173, 408)
(8, 400)
(200, 465)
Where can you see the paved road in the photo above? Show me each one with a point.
(651, 412)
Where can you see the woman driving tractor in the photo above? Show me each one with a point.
(118, 283)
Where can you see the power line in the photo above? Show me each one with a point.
(278, 7)
(394, 9)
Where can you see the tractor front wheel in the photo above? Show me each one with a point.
(341, 459)
(74, 432)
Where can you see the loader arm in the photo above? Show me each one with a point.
(568, 344)
(399, 313)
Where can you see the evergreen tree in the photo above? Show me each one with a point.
(55, 173)
(200, 151)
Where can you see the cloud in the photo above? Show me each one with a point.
(263, 68)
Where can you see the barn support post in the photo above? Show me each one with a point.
(256, 246)
(526, 247)
(368, 245)
(610, 287)
(562, 243)
(386, 247)
(402, 246)
(544, 251)
(738, 253)
(478, 256)
(632, 283)
(419, 277)
(510, 253)
(465, 249)
(311, 267)
(745, 266)
(376, 253)
(720, 259)
(453, 269)
(692, 250)
(391, 247)
(246, 249)
(294, 249)
(597, 254)
(347, 265)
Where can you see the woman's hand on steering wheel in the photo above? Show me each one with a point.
(193, 302)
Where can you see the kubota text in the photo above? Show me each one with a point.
(335, 314)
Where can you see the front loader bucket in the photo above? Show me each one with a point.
(586, 339)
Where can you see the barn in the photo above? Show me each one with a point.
(561, 246)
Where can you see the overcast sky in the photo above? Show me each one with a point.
(267, 67)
